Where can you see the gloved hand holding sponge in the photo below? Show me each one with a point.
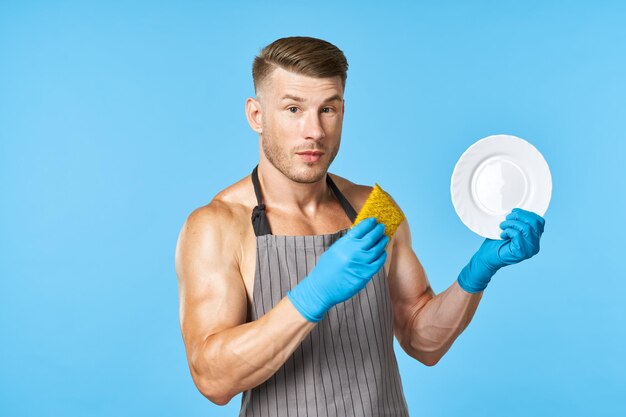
(349, 264)
(342, 271)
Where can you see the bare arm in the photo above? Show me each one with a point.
(425, 324)
(226, 355)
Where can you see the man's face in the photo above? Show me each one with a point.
(301, 114)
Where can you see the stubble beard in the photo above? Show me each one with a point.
(287, 165)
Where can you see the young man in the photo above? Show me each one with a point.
(280, 299)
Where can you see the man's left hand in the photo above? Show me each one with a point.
(521, 232)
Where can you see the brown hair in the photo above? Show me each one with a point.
(303, 55)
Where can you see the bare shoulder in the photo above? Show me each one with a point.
(207, 223)
(219, 225)
(355, 193)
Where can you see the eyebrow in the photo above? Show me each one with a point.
(336, 97)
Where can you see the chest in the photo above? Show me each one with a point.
(251, 252)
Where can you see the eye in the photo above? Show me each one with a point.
(327, 108)
(292, 107)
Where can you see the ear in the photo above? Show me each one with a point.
(254, 114)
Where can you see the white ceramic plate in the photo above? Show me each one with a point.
(495, 175)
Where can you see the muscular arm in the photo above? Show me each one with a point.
(226, 355)
(425, 324)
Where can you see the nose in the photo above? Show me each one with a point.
(312, 127)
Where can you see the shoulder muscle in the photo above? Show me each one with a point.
(212, 295)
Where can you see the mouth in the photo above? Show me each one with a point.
(310, 156)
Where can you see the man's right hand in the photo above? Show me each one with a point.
(342, 271)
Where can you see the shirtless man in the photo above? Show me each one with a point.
(280, 299)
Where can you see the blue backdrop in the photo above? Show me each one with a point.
(118, 119)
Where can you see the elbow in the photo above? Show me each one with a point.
(213, 393)
(429, 360)
(428, 357)
(220, 400)
(207, 380)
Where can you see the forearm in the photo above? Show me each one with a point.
(242, 357)
(441, 321)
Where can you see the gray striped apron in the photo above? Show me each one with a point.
(346, 365)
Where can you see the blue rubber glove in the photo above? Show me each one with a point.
(342, 271)
(521, 233)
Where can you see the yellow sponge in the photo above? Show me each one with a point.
(381, 206)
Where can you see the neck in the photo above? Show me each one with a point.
(286, 195)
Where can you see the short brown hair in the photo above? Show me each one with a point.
(303, 55)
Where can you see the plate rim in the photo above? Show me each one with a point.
(542, 182)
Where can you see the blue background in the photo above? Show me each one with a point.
(118, 119)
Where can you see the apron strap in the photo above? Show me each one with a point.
(347, 207)
(259, 219)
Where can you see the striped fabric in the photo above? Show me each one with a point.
(346, 366)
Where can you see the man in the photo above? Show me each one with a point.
(280, 299)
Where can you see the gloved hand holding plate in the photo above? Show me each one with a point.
(495, 175)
